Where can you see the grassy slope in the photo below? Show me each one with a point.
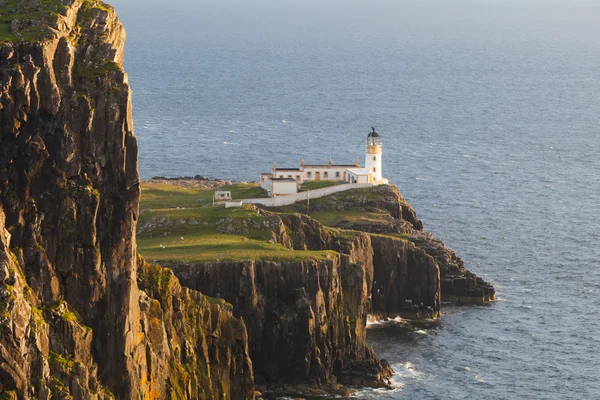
(189, 214)
(34, 20)
(340, 218)
(317, 185)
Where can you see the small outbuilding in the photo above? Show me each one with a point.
(222, 195)
(283, 186)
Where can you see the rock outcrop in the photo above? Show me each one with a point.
(307, 319)
(458, 285)
(74, 321)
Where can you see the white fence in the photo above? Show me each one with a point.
(314, 194)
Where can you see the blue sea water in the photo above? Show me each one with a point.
(490, 116)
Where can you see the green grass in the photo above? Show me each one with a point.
(401, 236)
(166, 195)
(36, 21)
(5, 33)
(246, 191)
(69, 316)
(209, 233)
(306, 186)
(63, 362)
(93, 72)
(222, 247)
(341, 219)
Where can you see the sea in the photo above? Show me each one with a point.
(489, 113)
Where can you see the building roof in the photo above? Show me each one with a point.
(283, 179)
(329, 166)
(373, 133)
(266, 173)
(359, 171)
(287, 169)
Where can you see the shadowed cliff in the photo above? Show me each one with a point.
(74, 321)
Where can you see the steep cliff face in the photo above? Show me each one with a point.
(194, 339)
(458, 285)
(305, 319)
(44, 349)
(404, 279)
(72, 312)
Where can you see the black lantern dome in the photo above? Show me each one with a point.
(373, 139)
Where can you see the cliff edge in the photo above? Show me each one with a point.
(80, 315)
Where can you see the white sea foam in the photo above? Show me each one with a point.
(397, 385)
(383, 322)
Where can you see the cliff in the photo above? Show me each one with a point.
(306, 313)
(398, 220)
(78, 316)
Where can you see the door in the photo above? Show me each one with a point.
(317, 176)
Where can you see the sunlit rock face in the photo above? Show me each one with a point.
(74, 321)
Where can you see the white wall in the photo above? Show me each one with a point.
(265, 183)
(373, 160)
(284, 187)
(331, 173)
(289, 174)
(314, 194)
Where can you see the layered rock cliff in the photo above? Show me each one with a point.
(307, 319)
(78, 318)
(458, 285)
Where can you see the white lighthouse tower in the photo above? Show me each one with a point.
(373, 156)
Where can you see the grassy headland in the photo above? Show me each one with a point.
(180, 224)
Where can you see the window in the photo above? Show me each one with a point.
(281, 176)
(325, 174)
(309, 174)
(374, 169)
(374, 158)
(337, 174)
(289, 176)
(297, 177)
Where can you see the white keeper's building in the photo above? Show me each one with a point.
(286, 181)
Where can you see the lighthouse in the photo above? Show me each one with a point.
(285, 181)
(373, 156)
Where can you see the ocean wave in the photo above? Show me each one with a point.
(383, 322)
